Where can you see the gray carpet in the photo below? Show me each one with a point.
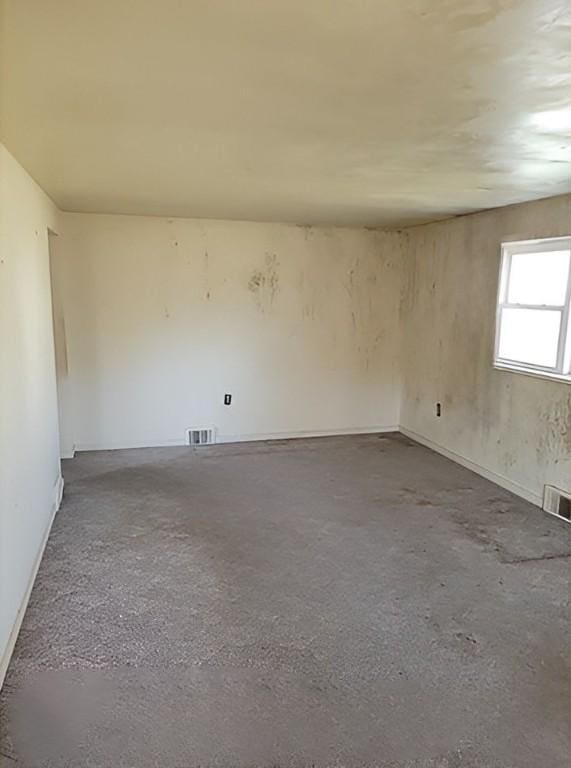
(350, 602)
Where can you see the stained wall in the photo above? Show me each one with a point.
(514, 426)
(165, 316)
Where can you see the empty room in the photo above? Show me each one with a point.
(285, 384)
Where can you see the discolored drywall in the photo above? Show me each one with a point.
(514, 425)
(165, 316)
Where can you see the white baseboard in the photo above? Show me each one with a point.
(300, 434)
(129, 445)
(489, 474)
(221, 438)
(8, 650)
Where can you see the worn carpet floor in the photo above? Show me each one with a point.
(354, 601)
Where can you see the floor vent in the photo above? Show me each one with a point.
(201, 436)
(557, 503)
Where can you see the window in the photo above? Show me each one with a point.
(533, 330)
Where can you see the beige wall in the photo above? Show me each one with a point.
(516, 426)
(29, 452)
(164, 316)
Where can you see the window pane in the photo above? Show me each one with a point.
(538, 278)
(530, 336)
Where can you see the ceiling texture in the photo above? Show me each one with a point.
(380, 113)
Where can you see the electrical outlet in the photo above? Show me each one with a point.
(227, 399)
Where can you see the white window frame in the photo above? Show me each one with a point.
(562, 369)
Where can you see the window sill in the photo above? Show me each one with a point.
(562, 378)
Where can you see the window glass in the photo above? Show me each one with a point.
(530, 336)
(538, 278)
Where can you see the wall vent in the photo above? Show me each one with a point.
(557, 503)
(198, 437)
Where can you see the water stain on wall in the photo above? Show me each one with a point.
(207, 291)
(256, 281)
(264, 283)
(555, 441)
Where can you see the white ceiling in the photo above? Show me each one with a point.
(350, 112)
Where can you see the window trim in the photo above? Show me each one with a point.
(508, 249)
